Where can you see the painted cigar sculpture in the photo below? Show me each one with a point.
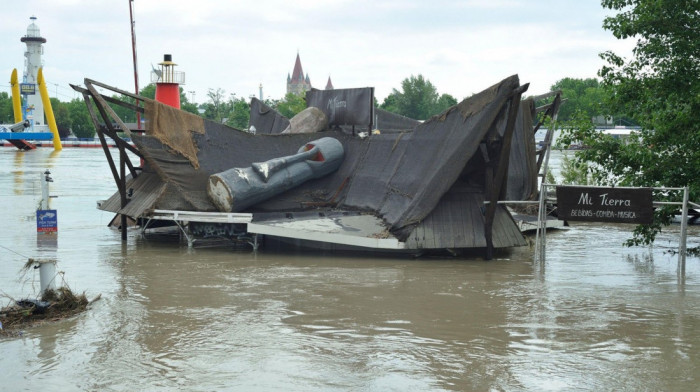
(239, 188)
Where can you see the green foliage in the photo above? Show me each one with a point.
(7, 115)
(291, 105)
(240, 117)
(660, 88)
(81, 124)
(62, 116)
(575, 172)
(588, 96)
(125, 114)
(149, 91)
(418, 99)
(215, 109)
(185, 103)
(549, 178)
(582, 95)
(390, 103)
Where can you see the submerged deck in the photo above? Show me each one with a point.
(349, 229)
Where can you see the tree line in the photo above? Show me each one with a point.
(417, 98)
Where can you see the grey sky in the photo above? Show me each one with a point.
(460, 46)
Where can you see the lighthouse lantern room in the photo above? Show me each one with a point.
(168, 82)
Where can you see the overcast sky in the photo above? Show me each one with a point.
(461, 46)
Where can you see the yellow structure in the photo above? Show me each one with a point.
(48, 111)
(16, 102)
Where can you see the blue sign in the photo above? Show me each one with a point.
(46, 221)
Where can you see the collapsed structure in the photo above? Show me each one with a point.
(417, 185)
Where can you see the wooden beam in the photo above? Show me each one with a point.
(124, 200)
(103, 142)
(113, 100)
(545, 95)
(500, 178)
(550, 132)
(121, 142)
(103, 106)
(116, 90)
(106, 112)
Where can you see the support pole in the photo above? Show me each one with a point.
(684, 233)
(540, 239)
(122, 189)
(47, 275)
(45, 179)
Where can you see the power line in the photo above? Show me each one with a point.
(17, 253)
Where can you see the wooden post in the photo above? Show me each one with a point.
(488, 185)
(500, 178)
(122, 192)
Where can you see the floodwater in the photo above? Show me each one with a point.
(594, 316)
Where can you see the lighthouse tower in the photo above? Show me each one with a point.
(168, 82)
(33, 109)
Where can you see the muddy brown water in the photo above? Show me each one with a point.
(595, 316)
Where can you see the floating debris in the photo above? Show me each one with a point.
(54, 305)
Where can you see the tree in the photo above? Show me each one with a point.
(7, 115)
(418, 99)
(216, 107)
(582, 95)
(291, 105)
(240, 117)
(62, 116)
(125, 114)
(659, 87)
(390, 103)
(149, 91)
(186, 105)
(81, 123)
(444, 102)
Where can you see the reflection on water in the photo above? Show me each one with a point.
(595, 316)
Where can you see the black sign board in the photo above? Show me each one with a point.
(27, 88)
(600, 204)
(351, 106)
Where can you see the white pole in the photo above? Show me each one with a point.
(684, 232)
(47, 274)
(45, 189)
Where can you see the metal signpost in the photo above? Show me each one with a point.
(610, 204)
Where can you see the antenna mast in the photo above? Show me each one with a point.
(136, 71)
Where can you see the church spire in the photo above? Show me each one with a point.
(297, 73)
(298, 82)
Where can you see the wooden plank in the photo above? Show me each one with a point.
(461, 236)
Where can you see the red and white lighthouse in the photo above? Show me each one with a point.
(168, 82)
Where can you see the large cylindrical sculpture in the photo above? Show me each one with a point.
(16, 100)
(50, 119)
(239, 188)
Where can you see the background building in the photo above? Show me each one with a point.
(298, 83)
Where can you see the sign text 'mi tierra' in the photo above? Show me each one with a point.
(600, 204)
